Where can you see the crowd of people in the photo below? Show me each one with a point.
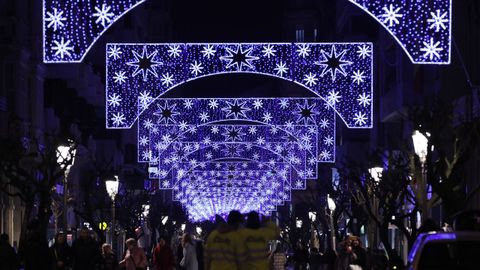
(242, 242)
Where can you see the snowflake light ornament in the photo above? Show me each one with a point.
(80, 23)
(422, 28)
(292, 119)
(318, 67)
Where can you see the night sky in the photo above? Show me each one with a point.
(228, 21)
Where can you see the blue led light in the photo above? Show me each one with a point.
(231, 186)
(339, 73)
(170, 138)
(234, 151)
(181, 138)
(71, 27)
(422, 28)
(195, 121)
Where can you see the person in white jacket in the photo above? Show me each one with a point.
(189, 261)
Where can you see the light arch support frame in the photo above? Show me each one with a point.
(384, 11)
(265, 192)
(339, 73)
(423, 28)
(72, 27)
(299, 165)
(218, 164)
(284, 170)
(196, 136)
(190, 117)
(281, 143)
(242, 184)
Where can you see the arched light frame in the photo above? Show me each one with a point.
(298, 159)
(188, 193)
(193, 114)
(270, 187)
(170, 137)
(422, 28)
(281, 171)
(346, 87)
(299, 164)
(72, 27)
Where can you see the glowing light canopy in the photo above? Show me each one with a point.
(221, 154)
(422, 28)
(339, 73)
(220, 187)
(267, 122)
(71, 27)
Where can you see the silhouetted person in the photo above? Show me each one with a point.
(300, 257)
(346, 256)
(328, 259)
(315, 259)
(278, 258)
(109, 260)
(163, 255)
(179, 254)
(35, 252)
(360, 252)
(61, 253)
(85, 251)
(200, 251)
(135, 258)
(189, 260)
(8, 257)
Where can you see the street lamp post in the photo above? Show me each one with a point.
(65, 155)
(112, 190)
(376, 173)
(420, 144)
(312, 216)
(145, 211)
(164, 220)
(331, 207)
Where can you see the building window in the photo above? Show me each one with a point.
(299, 35)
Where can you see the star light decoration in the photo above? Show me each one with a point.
(219, 187)
(284, 139)
(71, 27)
(298, 136)
(422, 28)
(337, 72)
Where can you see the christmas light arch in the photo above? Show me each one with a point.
(71, 27)
(281, 171)
(303, 119)
(305, 138)
(297, 159)
(422, 28)
(202, 203)
(339, 73)
(271, 191)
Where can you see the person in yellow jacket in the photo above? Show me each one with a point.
(221, 246)
(254, 243)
